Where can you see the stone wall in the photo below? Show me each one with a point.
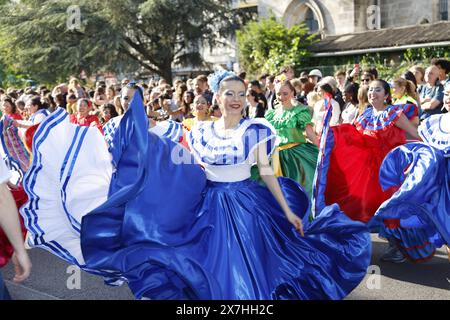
(407, 12)
(337, 16)
(348, 16)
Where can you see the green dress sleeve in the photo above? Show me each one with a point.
(303, 118)
(269, 115)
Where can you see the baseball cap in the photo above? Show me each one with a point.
(315, 72)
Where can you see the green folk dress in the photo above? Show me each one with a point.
(297, 157)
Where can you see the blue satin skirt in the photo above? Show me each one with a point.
(238, 245)
(422, 201)
(174, 235)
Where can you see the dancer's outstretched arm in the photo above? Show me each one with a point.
(267, 175)
(406, 125)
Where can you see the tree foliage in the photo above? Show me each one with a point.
(267, 45)
(390, 65)
(114, 35)
(9, 78)
(426, 53)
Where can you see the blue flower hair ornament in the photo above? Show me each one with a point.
(215, 78)
(134, 85)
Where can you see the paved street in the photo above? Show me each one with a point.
(430, 280)
(49, 278)
(403, 281)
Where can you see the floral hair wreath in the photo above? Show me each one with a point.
(215, 78)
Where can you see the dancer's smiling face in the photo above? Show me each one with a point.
(200, 105)
(7, 107)
(231, 98)
(284, 94)
(83, 108)
(377, 94)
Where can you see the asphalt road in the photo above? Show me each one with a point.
(51, 279)
(405, 281)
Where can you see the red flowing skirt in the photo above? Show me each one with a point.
(353, 174)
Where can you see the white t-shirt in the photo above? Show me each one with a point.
(4, 172)
(319, 114)
(349, 114)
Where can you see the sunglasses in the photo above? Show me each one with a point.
(365, 80)
(125, 98)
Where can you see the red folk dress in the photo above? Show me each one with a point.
(352, 157)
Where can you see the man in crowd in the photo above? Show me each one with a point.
(201, 87)
(270, 92)
(444, 69)
(263, 81)
(431, 93)
(315, 76)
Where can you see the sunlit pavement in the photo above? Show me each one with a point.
(404, 281)
(51, 279)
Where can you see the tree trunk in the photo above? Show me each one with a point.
(167, 74)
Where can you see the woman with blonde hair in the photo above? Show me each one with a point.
(404, 92)
(419, 73)
(312, 98)
(363, 99)
(118, 105)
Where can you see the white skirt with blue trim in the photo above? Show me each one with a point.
(66, 192)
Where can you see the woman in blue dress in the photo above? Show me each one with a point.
(147, 212)
(421, 170)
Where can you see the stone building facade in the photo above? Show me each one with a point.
(349, 25)
(337, 17)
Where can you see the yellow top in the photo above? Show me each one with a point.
(71, 108)
(190, 122)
